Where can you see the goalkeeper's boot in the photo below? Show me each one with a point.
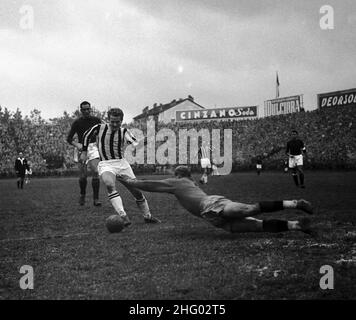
(305, 206)
(152, 219)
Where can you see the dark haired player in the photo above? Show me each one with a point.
(79, 126)
(21, 166)
(220, 211)
(111, 139)
(295, 150)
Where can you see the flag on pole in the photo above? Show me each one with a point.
(277, 86)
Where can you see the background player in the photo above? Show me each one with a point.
(222, 212)
(295, 150)
(204, 154)
(111, 139)
(20, 168)
(259, 165)
(79, 126)
(28, 173)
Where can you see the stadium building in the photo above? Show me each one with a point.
(166, 113)
(218, 114)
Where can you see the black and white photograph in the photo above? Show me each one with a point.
(183, 153)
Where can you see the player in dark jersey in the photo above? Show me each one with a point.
(21, 166)
(79, 126)
(295, 150)
(220, 211)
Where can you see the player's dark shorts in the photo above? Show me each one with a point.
(212, 208)
(20, 174)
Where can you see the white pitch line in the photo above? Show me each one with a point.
(45, 237)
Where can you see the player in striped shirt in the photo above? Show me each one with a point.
(111, 138)
(204, 153)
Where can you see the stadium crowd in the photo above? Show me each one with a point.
(329, 135)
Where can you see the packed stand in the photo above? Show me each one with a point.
(329, 135)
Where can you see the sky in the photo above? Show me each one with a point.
(134, 53)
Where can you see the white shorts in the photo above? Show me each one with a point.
(259, 166)
(205, 163)
(295, 161)
(117, 167)
(93, 152)
(215, 171)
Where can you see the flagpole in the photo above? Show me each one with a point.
(277, 85)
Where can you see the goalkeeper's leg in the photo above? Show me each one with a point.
(236, 210)
(250, 224)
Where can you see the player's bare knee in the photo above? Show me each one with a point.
(250, 209)
(109, 181)
(240, 210)
(110, 187)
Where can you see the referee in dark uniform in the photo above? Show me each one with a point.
(20, 167)
(79, 126)
(295, 150)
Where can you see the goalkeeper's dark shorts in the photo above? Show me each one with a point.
(212, 209)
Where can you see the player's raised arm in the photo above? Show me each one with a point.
(165, 185)
(129, 138)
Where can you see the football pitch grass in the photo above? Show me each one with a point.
(74, 257)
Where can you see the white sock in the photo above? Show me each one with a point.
(144, 208)
(116, 202)
(289, 204)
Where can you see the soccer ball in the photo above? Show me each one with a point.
(114, 223)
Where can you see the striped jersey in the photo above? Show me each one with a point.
(110, 143)
(204, 152)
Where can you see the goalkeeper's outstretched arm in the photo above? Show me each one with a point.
(164, 186)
